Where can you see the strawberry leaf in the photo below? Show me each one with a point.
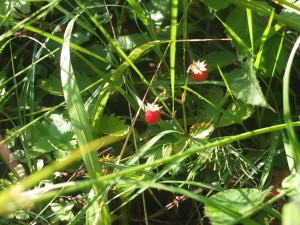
(244, 85)
(60, 128)
(239, 111)
(107, 121)
(233, 203)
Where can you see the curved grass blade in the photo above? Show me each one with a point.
(80, 124)
(139, 11)
(286, 107)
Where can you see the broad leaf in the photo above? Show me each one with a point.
(239, 111)
(235, 200)
(220, 59)
(107, 121)
(244, 85)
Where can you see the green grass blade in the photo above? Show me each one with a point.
(80, 123)
(250, 27)
(269, 160)
(174, 12)
(139, 11)
(234, 35)
(263, 41)
(286, 106)
(261, 9)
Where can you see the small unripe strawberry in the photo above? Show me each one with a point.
(152, 115)
(198, 70)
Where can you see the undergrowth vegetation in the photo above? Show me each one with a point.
(149, 112)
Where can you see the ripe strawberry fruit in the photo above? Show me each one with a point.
(152, 115)
(198, 70)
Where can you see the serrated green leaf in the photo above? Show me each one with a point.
(111, 124)
(239, 111)
(36, 131)
(244, 85)
(47, 144)
(60, 128)
(22, 215)
(237, 200)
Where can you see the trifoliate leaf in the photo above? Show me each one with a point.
(244, 85)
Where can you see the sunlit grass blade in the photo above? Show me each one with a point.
(80, 124)
(263, 41)
(139, 11)
(286, 107)
(174, 12)
(250, 27)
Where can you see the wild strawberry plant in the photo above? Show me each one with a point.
(89, 139)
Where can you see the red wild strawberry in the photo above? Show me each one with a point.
(152, 115)
(199, 71)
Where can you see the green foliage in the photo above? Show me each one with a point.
(234, 202)
(62, 212)
(107, 121)
(75, 77)
(244, 85)
(53, 135)
(7, 8)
